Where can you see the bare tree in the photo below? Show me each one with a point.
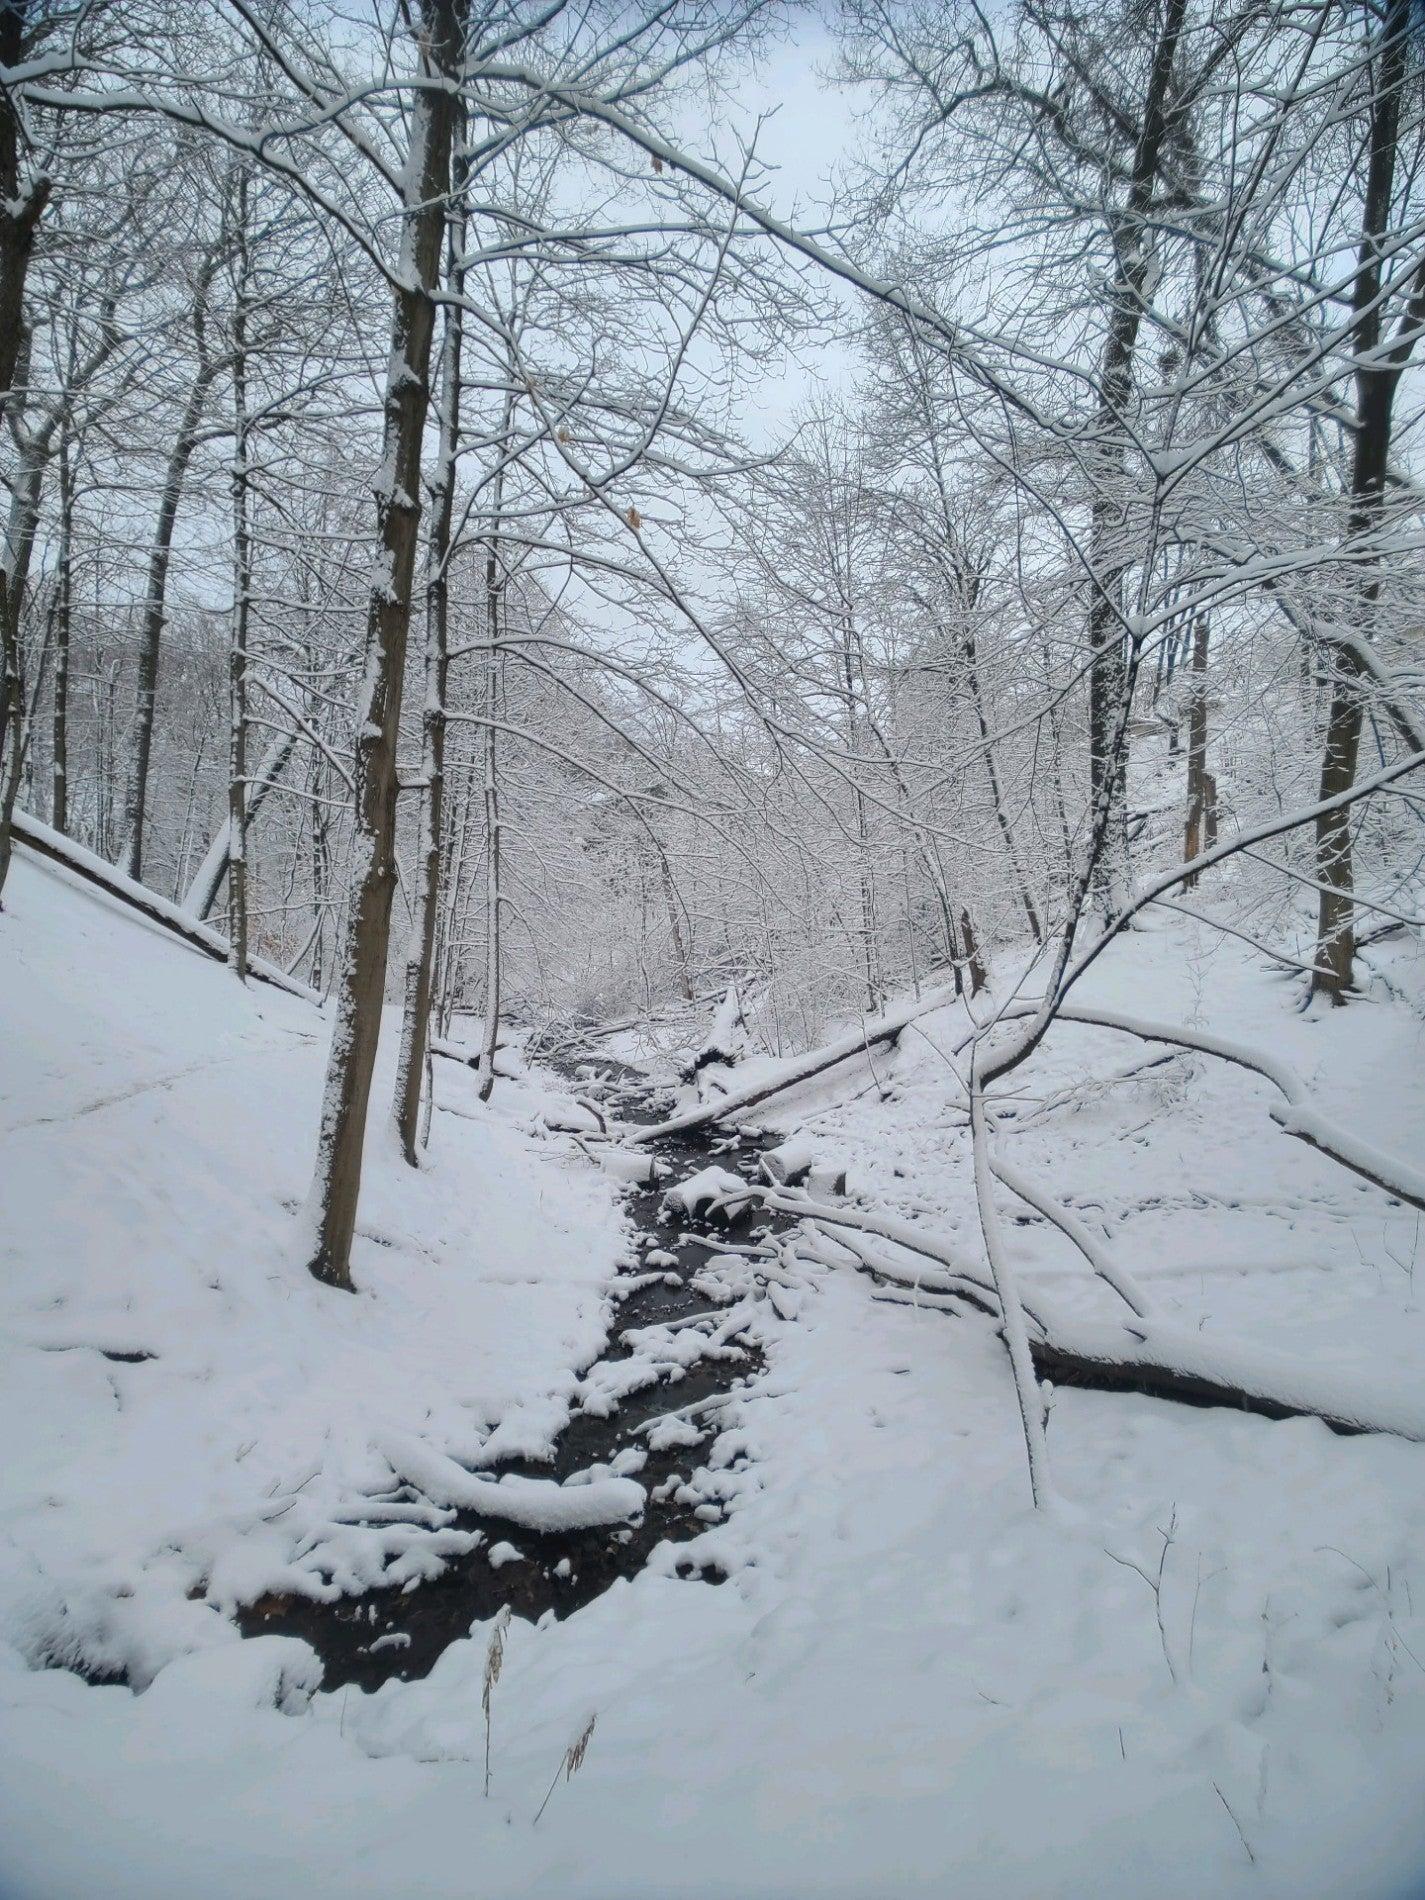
(336, 1183)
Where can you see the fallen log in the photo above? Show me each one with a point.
(1294, 1116)
(1171, 1362)
(45, 842)
(800, 1069)
(1141, 1355)
(203, 888)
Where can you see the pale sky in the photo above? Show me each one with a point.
(810, 133)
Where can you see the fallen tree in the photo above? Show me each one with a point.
(1173, 1362)
(206, 882)
(1140, 1354)
(59, 849)
(1294, 1116)
(815, 1062)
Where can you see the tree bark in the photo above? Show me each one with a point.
(1197, 774)
(242, 612)
(63, 621)
(494, 708)
(1377, 375)
(21, 207)
(14, 572)
(336, 1181)
(412, 1063)
(155, 613)
(1108, 666)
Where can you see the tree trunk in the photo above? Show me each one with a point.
(63, 619)
(494, 707)
(1108, 660)
(974, 968)
(1376, 382)
(14, 571)
(336, 1181)
(1197, 774)
(412, 1065)
(242, 614)
(321, 871)
(155, 611)
(21, 208)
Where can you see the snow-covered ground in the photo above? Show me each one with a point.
(1205, 1674)
(158, 1125)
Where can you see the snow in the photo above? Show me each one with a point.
(714, 1188)
(536, 1503)
(1204, 1674)
(159, 1123)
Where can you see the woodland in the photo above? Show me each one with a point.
(711, 873)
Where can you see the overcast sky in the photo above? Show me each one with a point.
(808, 132)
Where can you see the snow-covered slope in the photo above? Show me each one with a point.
(1204, 1675)
(185, 1411)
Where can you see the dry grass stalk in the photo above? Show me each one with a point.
(494, 1663)
(571, 1762)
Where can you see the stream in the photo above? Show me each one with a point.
(387, 1634)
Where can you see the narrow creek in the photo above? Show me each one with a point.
(394, 1634)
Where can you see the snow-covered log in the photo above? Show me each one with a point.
(816, 1062)
(61, 850)
(537, 1504)
(712, 1191)
(1141, 1354)
(1296, 1117)
(1175, 1362)
(727, 1038)
(203, 887)
(788, 1164)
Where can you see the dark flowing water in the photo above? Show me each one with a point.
(386, 1634)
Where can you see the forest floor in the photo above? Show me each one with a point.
(1203, 1673)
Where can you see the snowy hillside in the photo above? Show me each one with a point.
(712, 950)
(188, 1413)
(1204, 1672)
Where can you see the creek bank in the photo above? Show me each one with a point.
(386, 1634)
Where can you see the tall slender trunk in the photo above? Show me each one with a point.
(411, 1063)
(1108, 658)
(63, 624)
(336, 1180)
(14, 572)
(105, 688)
(155, 610)
(321, 870)
(242, 612)
(20, 211)
(1377, 376)
(494, 712)
(21, 206)
(852, 660)
(1197, 774)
